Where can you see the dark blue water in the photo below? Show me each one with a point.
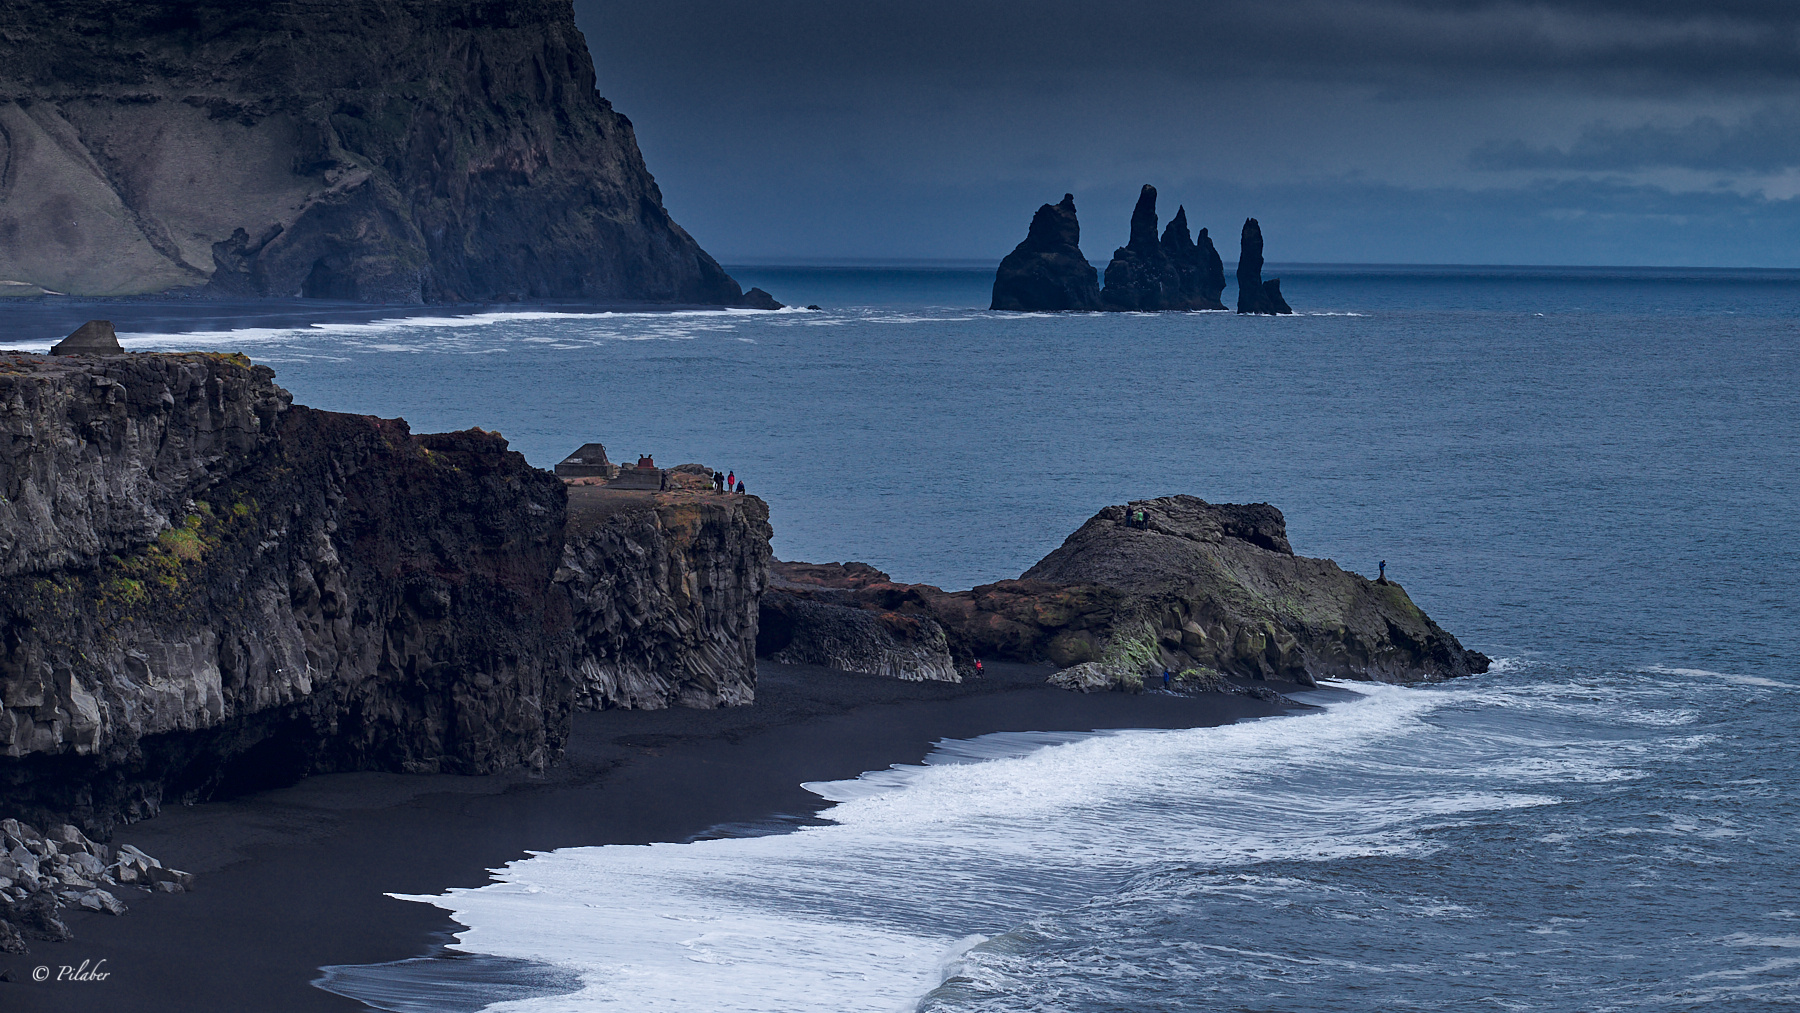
(1591, 475)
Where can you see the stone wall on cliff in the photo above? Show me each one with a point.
(664, 588)
(205, 587)
(372, 150)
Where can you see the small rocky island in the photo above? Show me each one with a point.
(1048, 272)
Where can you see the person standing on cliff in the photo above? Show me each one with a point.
(1383, 578)
(665, 482)
(730, 480)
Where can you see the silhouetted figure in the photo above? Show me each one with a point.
(1165, 678)
(664, 483)
(1383, 578)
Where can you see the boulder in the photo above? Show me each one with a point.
(1254, 294)
(1141, 275)
(100, 900)
(1047, 271)
(95, 337)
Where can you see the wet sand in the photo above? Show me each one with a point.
(294, 879)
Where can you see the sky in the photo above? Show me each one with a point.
(1581, 132)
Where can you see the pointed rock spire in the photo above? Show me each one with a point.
(1254, 294)
(1047, 271)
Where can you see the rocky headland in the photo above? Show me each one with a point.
(1204, 591)
(204, 588)
(1048, 272)
(364, 150)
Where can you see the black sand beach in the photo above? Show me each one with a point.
(294, 879)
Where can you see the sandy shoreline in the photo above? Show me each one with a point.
(294, 879)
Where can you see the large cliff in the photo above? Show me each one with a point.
(203, 585)
(372, 150)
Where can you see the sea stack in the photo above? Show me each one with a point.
(1201, 275)
(1047, 271)
(1141, 275)
(1254, 294)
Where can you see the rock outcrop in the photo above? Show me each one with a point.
(1202, 590)
(1255, 295)
(664, 588)
(1141, 275)
(851, 617)
(370, 150)
(1047, 271)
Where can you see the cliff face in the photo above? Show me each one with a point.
(664, 588)
(205, 587)
(1048, 271)
(374, 150)
(1197, 588)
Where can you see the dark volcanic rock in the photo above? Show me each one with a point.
(1202, 589)
(95, 337)
(664, 588)
(205, 588)
(222, 590)
(1141, 275)
(372, 150)
(851, 617)
(1202, 275)
(757, 299)
(1254, 294)
(1047, 271)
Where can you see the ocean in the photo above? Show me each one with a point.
(1591, 475)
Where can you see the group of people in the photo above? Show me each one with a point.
(728, 483)
(1137, 518)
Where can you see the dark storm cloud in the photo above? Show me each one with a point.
(1767, 141)
(1607, 44)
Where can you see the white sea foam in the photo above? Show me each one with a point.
(918, 863)
(1740, 680)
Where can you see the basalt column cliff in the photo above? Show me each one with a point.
(370, 150)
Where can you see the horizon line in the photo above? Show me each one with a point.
(976, 263)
